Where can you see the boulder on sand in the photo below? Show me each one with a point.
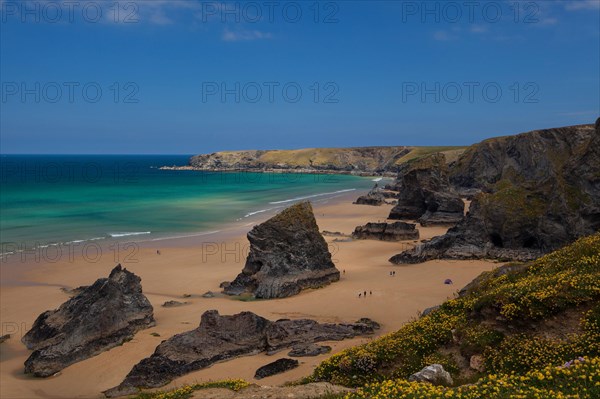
(396, 231)
(276, 367)
(303, 350)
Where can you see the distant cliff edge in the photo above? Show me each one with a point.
(359, 160)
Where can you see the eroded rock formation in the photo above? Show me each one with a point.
(220, 338)
(537, 191)
(98, 318)
(424, 193)
(287, 254)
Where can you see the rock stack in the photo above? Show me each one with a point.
(287, 254)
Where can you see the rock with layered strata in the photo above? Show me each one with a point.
(396, 231)
(424, 193)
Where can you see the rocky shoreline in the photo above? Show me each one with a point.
(307, 171)
(530, 194)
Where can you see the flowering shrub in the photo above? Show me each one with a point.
(553, 283)
(579, 379)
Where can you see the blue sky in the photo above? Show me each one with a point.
(195, 77)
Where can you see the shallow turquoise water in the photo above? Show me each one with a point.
(64, 198)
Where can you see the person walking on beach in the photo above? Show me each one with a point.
(365, 294)
(359, 294)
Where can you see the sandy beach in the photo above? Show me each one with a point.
(189, 267)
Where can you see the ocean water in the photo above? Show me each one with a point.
(55, 199)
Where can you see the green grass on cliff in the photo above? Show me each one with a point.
(187, 391)
(451, 152)
(338, 157)
(363, 158)
(519, 323)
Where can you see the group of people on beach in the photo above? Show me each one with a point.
(364, 294)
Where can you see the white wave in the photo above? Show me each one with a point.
(309, 196)
(377, 179)
(182, 236)
(260, 211)
(134, 233)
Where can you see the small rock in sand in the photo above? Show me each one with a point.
(276, 367)
(173, 304)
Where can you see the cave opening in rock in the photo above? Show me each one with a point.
(496, 240)
(529, 242)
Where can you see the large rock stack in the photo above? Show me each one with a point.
(287, 254)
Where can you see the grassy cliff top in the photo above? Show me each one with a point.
(364, 159)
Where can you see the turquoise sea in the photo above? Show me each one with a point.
(54, 199)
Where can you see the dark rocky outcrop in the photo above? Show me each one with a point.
(304, 350)
(374, 198)
(537, 191)
(396, 231)
(368, 322)
(287, 254)
(276, 367)
(100, 317)
(424, 193)
(220, 338)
